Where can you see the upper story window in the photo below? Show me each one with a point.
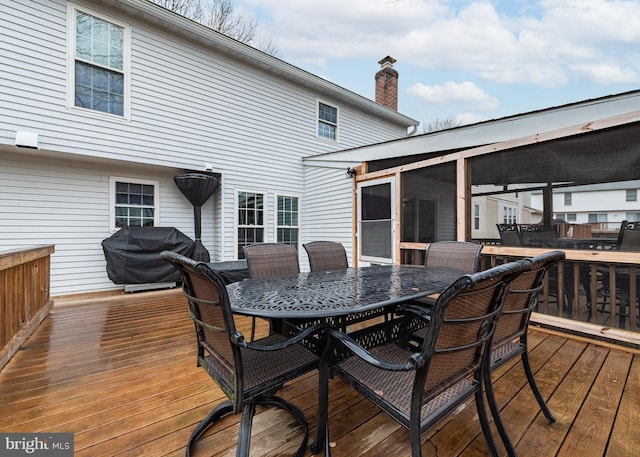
(327, 121)
(632, 195)
(134, 203)
(250, 210)
(99, 67)
(288, 214)
(567, 199)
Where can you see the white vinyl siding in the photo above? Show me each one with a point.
(191, 105)
(327, 210)
(67, 204)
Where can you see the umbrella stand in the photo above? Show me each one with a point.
(197, 188)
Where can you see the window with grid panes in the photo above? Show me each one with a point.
(135, 203)
(288, 219)
(327, 121)
(250, 210)
(99, 64)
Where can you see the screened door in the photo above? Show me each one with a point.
(376, 220)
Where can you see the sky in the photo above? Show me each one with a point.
(462, 60)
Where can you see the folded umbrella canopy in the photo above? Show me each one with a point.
(197, 187)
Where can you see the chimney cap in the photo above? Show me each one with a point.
(387, 62)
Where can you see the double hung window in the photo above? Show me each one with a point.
(99, 65)
(288, 214)
(327, 121)
(250, 210)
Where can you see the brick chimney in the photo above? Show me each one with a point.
(387, 84)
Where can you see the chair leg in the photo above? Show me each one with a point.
(220, 411)
(484, 419)
(497, 419)
(244, 434)
(534, 388)
(322, 431)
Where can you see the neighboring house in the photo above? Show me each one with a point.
(489, 210)
(104, 102)
(597, 203)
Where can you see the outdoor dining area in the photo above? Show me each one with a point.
(438, 359)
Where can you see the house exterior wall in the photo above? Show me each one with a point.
(190, 106)
(611, 202)
(327, 212)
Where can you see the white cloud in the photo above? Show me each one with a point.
(465, 94)
(548, 43)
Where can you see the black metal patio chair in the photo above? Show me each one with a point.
(510, 337)
(509, 234)
(420, 386)
(326, 255)
(249, 373)
(270, 260)
(463, 256)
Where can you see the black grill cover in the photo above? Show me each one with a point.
(133, 254)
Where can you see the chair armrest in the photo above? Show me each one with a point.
(419, 311)
(413, 362)
(239, 339)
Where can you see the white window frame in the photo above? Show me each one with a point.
(112, 199)
(631, 195)
(71, 62)
(319, 121)
(509, 214)
(236, 220)
(275, 219)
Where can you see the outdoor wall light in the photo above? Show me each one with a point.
(351, 172)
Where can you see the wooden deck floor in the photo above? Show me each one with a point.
(119, 372)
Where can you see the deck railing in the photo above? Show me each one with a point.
(25, 299)
(594, 286)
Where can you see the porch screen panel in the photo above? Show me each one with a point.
(376, 221)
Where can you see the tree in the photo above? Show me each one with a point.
(440, 124)
(221, 15)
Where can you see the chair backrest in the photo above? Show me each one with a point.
(211, 312)
(509, 234)
(522, 296)
(629, 236)
(326, 255)
(462, 322)
(531, 232)
(271, 260)
(459, 255)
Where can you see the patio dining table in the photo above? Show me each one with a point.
(322, 294)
